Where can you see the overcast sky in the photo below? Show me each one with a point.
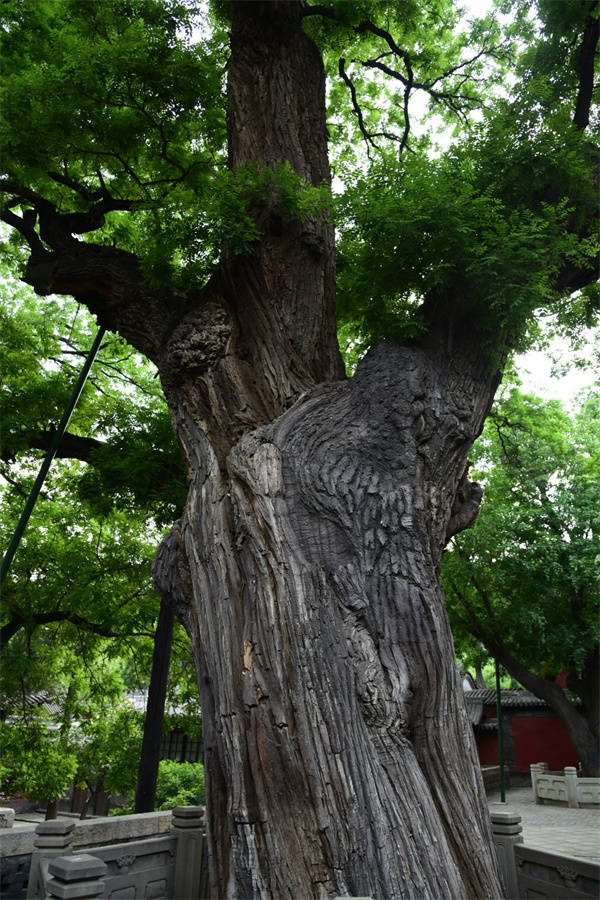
(535, 370)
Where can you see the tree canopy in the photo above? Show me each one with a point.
(125, 139)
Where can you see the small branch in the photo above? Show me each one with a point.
(357, 110)
(25, 226)
(8, 478)
(8, 631)
(387, 70)
(398, 51)
(90, 196)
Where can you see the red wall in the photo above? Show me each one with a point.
(487, 747)
(535, 739)
(541, 739)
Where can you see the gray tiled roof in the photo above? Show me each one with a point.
(41, 698)
(507, 697)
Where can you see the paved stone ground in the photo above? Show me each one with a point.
(554, 827)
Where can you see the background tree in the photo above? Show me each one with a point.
(38, 759)
(305, 564)
(524, 580)
(117, 478)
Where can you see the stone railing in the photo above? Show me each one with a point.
(566, 786)
(7, 817)
(156, 866)
(17, 844)
(550, 875)
(529, 872)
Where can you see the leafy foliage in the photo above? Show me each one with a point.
(38, 760)
(124, 103)
(493, 222)
(527, 572)
(179, 784)
(79, 593)
(109, 742)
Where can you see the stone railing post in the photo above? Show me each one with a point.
(506, 831)
(53, 838)
(75, 877)
(7, 817)
(188, 825)
(537, 769)
(571, 786)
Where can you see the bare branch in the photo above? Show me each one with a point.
(387, 37)
(90, 196)
(10, 629)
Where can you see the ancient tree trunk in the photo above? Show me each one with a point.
(339, 758)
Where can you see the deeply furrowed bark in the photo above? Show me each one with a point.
(338, 752)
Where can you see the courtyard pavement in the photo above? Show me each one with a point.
(554, 827)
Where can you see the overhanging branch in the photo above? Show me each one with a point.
(72, 446)
(10, 629)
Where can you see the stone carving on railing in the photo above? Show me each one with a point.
(569, 876)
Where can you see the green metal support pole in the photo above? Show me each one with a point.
(500, 735)
(50, 454)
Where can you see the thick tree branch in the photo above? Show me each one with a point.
(107, 280)
(25, 225)
(10, 629)
(110, 283)
(72, 446)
